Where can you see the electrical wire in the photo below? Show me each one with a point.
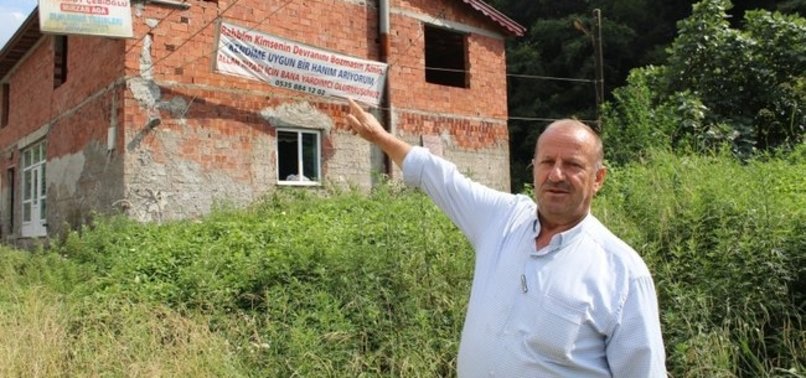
(419, 37)
(218, 17)
(150, 29)
(207, 54)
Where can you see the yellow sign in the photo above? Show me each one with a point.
(108, 18)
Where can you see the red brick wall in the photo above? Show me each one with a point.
(335, 25)
(70, 117)
(93, 64)
(340, 26)
(486, 96)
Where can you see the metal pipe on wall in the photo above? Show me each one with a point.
(384, 47)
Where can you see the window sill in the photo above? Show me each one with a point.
(299, 183)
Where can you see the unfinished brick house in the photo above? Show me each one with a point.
(147, 125)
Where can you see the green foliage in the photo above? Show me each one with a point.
(745, 88)
(348, 284)
(344, 284)
(641, 124)
(727, 246)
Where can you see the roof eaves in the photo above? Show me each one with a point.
(506, 22)
(26, 36)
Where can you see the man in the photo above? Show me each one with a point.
(554, 293)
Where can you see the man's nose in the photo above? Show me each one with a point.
(556, 173)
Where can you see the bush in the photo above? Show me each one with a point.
(369, 284)
(727, 244)
(354, 285)
(741, 87)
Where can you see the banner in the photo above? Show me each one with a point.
(288, 64)
(108, 18)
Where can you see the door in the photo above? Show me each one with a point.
(34, 199)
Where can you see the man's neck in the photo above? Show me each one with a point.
(548, 229)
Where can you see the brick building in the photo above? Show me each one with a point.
(146, 126)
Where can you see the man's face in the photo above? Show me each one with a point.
(566, 173)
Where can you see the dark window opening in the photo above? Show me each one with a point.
(298, 154)
(59, 60)
(6, 103)
(10, 204)
(445, 57)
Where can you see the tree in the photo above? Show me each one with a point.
(720, 85)
(636, 33)
(558, 45)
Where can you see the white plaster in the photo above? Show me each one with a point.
(300, 115)
(177, 106)
(146, 62)
(65, 171)
(139, 8)
(146, 92)
(428, 19)
(33, 137)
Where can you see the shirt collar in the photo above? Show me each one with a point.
(559, 240)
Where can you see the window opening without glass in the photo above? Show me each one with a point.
(6, 104)
(445, 57)
(59, 60)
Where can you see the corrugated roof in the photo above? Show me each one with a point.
(20, 43)
(506, 22)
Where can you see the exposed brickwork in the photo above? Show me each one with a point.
(71, 118)
(184, 137)
(486, 97)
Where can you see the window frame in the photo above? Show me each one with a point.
(33, 162)
(317, 181)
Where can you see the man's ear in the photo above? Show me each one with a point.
(599, 180)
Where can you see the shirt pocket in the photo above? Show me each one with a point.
(546, 327)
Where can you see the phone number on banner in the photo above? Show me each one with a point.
(299, 87)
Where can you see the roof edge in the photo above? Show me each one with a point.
(488, 10)
(18, 45)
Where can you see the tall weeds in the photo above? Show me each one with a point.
(348, 284)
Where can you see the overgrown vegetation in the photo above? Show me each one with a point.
(702, 74)
(298, 285)
(355, 285)
(742, 87)
(350, 284)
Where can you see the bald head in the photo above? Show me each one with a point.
(579, 130)
(567, 172)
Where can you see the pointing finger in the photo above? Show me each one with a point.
(355, 109)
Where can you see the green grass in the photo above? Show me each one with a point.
(354, 285)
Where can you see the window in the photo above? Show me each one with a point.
(10, 176)
(298, 156)
(6, 102)
(59, 60)
(34, 206)
(445, 57)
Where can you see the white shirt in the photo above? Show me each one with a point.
(583, 306)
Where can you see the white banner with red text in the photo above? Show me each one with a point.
(293, 65)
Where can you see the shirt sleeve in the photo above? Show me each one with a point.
(635, 347)
(470, 205)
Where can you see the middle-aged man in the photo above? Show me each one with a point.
(555, 293)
